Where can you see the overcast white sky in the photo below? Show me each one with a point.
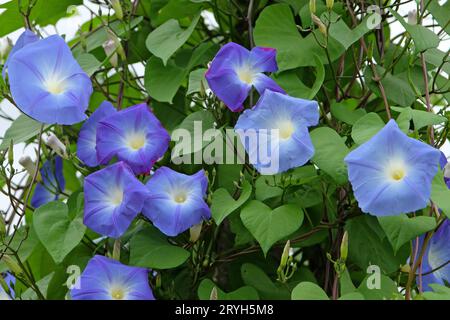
(69, 26)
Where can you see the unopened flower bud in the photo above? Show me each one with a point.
(195, 232)
(344, 246)
(412, 17)
(330, 4)
(30, 166)
(312, 6)
(285, 255)
(5, 47)
(2, 226)
(319, 24)
(117, 9)
(405, 268)
(116, 250)
(12, 264)
(113, 48)
(213, 295)
(11, 153)
(56, 145)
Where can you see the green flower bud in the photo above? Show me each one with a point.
(330, 4)
(11, 153)
(117, 8)
(344, 246)
(12, 264)
(319, 24)
(312, 6)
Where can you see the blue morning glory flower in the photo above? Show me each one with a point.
(134, 135)
(48, 84)
(108, 279)
(88, 134)
(176, 201)
(52, 184)
(445, 166)
(275, 132)
(24, 39)
(437, 256)
(234, 70)
(391, 173)
(113, 197)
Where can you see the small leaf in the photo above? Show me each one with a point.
(401, 229)
(366, 127)
(149, 248)
(308, 291)
(22, 129)
(330, 151)
(243, 293)
(223, 204)
(165, 40)
(269, 226)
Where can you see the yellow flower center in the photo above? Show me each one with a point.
(117, 294)
(245, 75)
(286, 129)
(136, 141)
(55, 86)
(396, 170)
(116, 197)
(180, 197)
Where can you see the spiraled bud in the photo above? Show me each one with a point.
(56, 145)
(195, 232)
(117, 8)
(30, 166)
(285, 255)
(330, 4)
(412, 17)
(213, 295)
(110, 51)
(11, 153)
(12, 264)
(2, 226)
(312, 6)
(405, 268)
(5, 47)
(116, 250)
(344, 246)
(319, 24)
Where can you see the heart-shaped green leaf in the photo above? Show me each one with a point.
(243, 293)
(308, 291)
(149, 248)
(58, 233)
(401, 229)
(223, 204)
(269, 226)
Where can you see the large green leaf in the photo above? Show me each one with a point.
(439, 292)
(440, 13)
(369, 245)
(366, 127)
(269, 226)
(162, 82)
(243, 293)
(401, 229)
(308, 291)
(223, 204)
(168, 38)
(330, 151)
(276, 28)
(58, 232)
(22, 129)
(149, 248)
(346, 111)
